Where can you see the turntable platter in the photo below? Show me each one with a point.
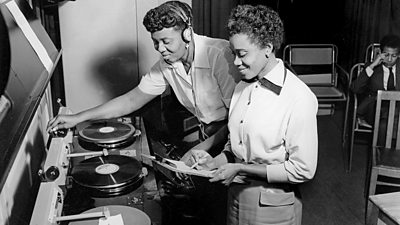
(107, 172)
(130, 216)
(106, 132)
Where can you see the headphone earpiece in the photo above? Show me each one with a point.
(187, 34)
(187, 31)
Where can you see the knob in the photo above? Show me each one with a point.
(52, 173)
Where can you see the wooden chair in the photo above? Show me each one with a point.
(351, 117)
(386, 156)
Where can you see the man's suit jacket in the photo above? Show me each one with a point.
(368, 87)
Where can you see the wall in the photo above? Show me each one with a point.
(106, 49)
(23, 133)
(18, 194)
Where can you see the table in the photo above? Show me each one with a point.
(387, 207)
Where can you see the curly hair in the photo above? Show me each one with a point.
(262, 24)
(169, 14)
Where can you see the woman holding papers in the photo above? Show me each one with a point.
(272, 124)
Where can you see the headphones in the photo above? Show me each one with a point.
(187, 31)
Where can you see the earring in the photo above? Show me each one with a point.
(266, 56)
(187, 45)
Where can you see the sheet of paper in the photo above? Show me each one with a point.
(112, 220)
(181, 167)
(30, 35)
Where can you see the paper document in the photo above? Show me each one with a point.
(180, 167)
(112, 220)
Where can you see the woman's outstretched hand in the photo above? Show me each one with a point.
(62, 121)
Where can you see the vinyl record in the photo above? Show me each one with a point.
(106, 132)
(92, 146)
(107, 172)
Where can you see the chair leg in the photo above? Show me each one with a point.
(373, 218)
(345, 134)
(368, 173)
(345, 147)
(351, 145)
(345, 128)
(371, 191)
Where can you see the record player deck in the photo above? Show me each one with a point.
(100, 166)
(108, 175)
(111, 165)
(107, 134)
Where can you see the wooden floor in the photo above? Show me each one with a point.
(334, 196)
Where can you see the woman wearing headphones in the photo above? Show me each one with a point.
(199, 69)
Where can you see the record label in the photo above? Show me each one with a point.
(107, 169)
(107, 130)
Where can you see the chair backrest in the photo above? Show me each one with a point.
(313, 63)
(371, 52)
(387, 104)
(355, 71)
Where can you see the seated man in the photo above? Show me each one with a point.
(382, 74)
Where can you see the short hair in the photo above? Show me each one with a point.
(262, 24)
(169, 14)
(390, 41)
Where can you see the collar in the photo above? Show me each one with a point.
(388, 68)
(200, 52)
(275, 75)
(272, 80)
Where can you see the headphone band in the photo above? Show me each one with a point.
(181, 13)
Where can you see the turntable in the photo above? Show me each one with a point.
(128, 216)
(96, 165)
(110, 175)
(107, 134)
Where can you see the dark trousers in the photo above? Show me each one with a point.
(195, 201)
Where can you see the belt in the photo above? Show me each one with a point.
(207, 130)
